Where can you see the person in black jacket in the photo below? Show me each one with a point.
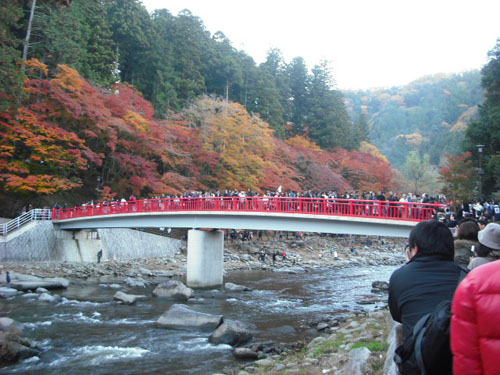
(429, 276)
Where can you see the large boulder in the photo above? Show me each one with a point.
(173, 289)
(232, 333)
(236, 288)
(182, 317)
(245, 354)
(14, 348)
(127, 299)
(8, 292)
(33, 284)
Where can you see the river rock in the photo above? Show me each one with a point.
(15, 348)
(233, 333)
(236, 288)
(8, 292)
(322, 326)
(30, 295)
(357, 363)
(135, 283)
(6, 323)
(245, 354)
(41, 290)
(382, 285)
(127, 299)
(182, 317)
(173, 289)
(54, 283)
(46, 297)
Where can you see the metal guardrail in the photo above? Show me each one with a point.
(18, 222)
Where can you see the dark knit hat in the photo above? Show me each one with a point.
(490, 236)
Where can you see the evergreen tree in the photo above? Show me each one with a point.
(486, 130)
(10, 55)
(327, 117)
(298, 79)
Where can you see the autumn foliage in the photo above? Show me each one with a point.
(67, 134)
(457, 177)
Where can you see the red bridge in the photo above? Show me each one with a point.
(366, 209)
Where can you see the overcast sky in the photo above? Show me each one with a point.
(369, 43)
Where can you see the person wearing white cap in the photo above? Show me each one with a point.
(475, 332)
(489, 240)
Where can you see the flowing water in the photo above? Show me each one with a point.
(87, 333)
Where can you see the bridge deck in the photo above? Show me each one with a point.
(255, 213)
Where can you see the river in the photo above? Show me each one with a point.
(87, 333)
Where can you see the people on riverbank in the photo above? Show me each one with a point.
(429, 277)
(475, 334)
(488, 243)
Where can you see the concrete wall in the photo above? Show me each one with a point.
(35, 241)
(38, 241)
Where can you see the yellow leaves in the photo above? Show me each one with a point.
(136, 121)
(372, 149)
(414, 139)
(244, 142)
(304, 142)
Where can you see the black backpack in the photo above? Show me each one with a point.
(426, 351)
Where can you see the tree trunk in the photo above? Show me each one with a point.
(28, 34)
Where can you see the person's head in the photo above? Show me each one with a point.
(482, 223)
(489, 239)
(432, 238)
(467, 230)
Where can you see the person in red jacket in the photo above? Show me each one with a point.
(475, 332)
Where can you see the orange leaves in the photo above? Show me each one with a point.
(41, 184)
(303, 142)
(35, 68)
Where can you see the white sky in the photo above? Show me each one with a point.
(369, 43)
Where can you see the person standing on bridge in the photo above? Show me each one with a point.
(429, 277)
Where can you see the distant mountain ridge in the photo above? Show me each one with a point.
(428, 115)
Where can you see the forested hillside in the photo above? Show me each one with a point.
(429, 115)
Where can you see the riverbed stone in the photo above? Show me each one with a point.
(30, 295)
(15, 348)
(357, 362)
(231, 332)
(53, 283)
(182, 317)
(46, 297)
(381, 285)
(173, 289)
(7, 323)
(264, 362)
(245, 354)
(236, 288)
(6, 292)
(127, 299)
(135, 282)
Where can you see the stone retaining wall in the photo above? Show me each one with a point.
(39, 241)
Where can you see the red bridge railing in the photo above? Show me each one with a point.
(315, 206)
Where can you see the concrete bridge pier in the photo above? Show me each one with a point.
(205, 258)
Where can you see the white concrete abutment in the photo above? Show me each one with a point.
(205, 258)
